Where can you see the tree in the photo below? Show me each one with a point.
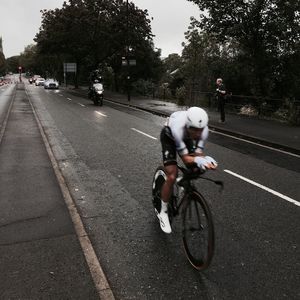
(2, 63)
(266, 33)
(12, 64)
(93, 33)
(28, 58)
(2, 58)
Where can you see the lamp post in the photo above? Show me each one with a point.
(127, 52)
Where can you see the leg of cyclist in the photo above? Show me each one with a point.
(166, 192)
(170, 164)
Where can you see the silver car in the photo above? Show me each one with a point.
(51, 84)
(39, 81)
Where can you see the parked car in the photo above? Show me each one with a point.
(39, 81)
(51, 84)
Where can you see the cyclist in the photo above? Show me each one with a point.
(185, 133)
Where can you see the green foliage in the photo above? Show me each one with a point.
(143, 87)
(181, 95)
(264, 35)
(12, 64)
(2, 59)
(2, 63)
(98, 33)
(164, 91)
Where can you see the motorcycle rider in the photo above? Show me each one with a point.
(94, 77)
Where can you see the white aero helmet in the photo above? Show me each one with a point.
(196, 117)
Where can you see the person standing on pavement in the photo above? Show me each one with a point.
(221, 98)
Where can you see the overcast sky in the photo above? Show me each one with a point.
(20, 21)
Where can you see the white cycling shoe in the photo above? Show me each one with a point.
(164, 221)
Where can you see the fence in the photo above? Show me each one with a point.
(287, 109)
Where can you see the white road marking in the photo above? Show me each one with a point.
(81, 104)
(151, 137)
(127, 105)
(257, 144)
(69, 99)
(101, 114)
(102, 286)
(220, 133)
(264, 188)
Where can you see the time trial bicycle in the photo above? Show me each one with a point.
(197, 221)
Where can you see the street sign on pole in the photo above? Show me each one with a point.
(69, 68)
(129, 62)
(132, 62)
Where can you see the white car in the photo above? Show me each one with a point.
(39, 81)
(51, 84)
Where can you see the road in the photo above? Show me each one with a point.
(108, 155)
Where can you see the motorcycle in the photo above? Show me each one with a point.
(96, 93)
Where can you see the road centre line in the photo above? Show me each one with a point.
(81, 104)
(152, 137)
(264, 188)
(69, 99)
(101, 114)
(257, 144)
(102, 286)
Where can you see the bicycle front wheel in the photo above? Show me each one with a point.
(198, 230)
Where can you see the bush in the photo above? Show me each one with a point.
(143, 87)
(294, 113)
(181, 95)
(248, 110)
(164, 92)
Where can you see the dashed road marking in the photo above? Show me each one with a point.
(101, 114)
(141, 132)
(99, 278)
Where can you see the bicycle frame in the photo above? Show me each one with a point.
(185, 181)
(197, 221)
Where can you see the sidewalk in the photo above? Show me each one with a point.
(267, 132)
(40, 255)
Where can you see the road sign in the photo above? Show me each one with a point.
(130, 62)
(70, 67)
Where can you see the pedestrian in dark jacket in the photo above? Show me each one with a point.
(221, 97)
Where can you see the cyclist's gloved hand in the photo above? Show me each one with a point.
(201, 162)
(212, 164)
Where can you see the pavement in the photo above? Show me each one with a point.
(40, 255)
(270, 133)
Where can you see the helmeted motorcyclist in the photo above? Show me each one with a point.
(95, 77)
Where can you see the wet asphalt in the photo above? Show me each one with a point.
(112, 194)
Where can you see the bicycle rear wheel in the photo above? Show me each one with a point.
(198, 231)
